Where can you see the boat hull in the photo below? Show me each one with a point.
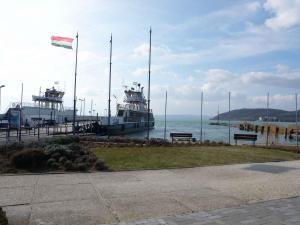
(128, 128)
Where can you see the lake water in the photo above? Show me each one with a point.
(210, 132)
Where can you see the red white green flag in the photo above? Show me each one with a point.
(62, 42)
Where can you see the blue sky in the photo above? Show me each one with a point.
(246, 47)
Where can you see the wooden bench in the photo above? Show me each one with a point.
(245, 137)
(182, 137)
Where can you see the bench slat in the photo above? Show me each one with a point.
(252, 137)
(181, 135)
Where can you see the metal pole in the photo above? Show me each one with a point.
(83, 107)
(267, 139)
(148, 124)
(74, 105)
(201, 118)
(20, 115)
(80, 106)
(39, 114)
(165, 131)
(109, 88)
(229, 118)
(91, 108)
(2, 86)
(297, 130)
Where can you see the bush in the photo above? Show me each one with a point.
(62, 140)
(206, 142)
(100, 165)
(3, 219)
(74, 146)
(31, 159)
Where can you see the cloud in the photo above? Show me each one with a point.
(286, 14)
(288, 79)
(273, 98)
(253, 6)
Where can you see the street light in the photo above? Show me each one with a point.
(81, 100)
(2, 86)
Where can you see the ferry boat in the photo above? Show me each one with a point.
(132, 115)
(46, 109)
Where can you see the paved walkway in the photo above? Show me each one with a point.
(274, 212)
(107, 198)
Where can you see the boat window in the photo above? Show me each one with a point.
(120, 113)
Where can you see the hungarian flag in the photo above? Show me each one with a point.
(62, 42)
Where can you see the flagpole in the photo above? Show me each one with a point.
(297, 130)
(201, 121)
(39, 114)
(109, 88)
(165, 131)
(74, 105)
(20, 115)
(267, 139)
(148, 125)
(229, 138)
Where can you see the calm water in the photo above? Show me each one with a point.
(210, 132)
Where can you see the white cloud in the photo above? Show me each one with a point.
(253, 6)
(286, 13)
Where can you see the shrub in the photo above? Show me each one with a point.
(63, 140)
(206, 142)
(31, 159)
(68, 165)
(15, 146)
(3, 219)
(100, 165)
(213, 143)
(82, 166)
(74, 146)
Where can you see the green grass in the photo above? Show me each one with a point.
(127, 158)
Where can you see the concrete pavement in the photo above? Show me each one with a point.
(114, 197)
(273, 212)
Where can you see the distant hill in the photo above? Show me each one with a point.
(255, 114)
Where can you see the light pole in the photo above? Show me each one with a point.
(2, 86)
(81, 100)
(83, 111)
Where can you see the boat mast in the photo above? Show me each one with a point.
(165, 130)
(109, 88)
(218, 115)
(201, 121)
(148, 124)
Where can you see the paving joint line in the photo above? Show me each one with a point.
(106, 202)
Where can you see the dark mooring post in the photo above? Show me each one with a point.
(166, 101)
(75, 79)
(148, 124)
(109, 88)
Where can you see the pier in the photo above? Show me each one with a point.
(290, 132)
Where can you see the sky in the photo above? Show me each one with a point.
(246, 47)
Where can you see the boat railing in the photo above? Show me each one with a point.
(132, 107)
(43, 98)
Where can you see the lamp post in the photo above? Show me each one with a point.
(81, 100)
(2, 86)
